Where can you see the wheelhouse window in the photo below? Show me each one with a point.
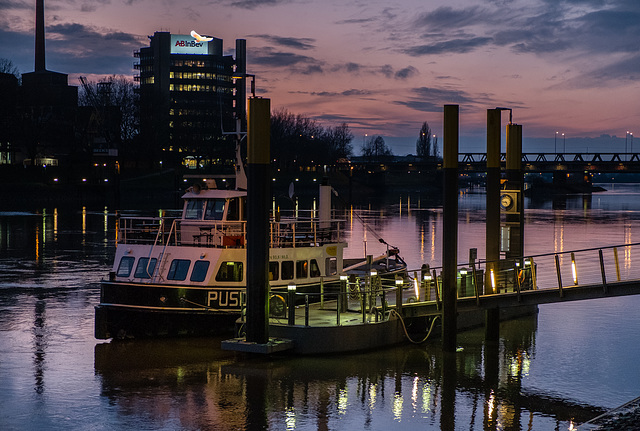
(230, 271)
(194, 209)
(234, 209)
(302, 269)
(199, 272)
(145, 267)
(274, 271)
(125, 266)
(331, 266)
(178, 269)
(313, 267)
(287, 270)
(214, 209)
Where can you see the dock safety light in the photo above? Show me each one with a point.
(291, 289)
(374, 272)
(574, 270)
(344, 277)
(416, 287)
(493, 280)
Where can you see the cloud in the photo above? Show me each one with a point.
(272, 58)
(406, 72)
(431, 99)
(16, 5)
(345, 93)
(457, 46)
(620, 72)
(253, 4)
(445, 18)
(302, 43)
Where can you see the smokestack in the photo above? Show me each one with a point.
(39, 36)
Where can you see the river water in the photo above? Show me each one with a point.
(552, 371)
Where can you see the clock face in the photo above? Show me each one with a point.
(506, 201)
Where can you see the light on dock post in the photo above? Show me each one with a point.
(291, 303)
(450, 227)
(343, 292)
(258, 193)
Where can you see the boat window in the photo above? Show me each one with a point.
(234, 211)
(125, 266)
(200, 269)
(315, 270)
(273, 271)
(178, 269)
(302, 269)
(215, 209)
(194, 209)
(230, 271)
(287, 270)
(145, 267)
(331, 266)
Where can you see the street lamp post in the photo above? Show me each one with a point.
(555, 146)
(564, 147)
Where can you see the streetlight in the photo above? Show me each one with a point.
(555, 139)
(253, 81)
(564, 147)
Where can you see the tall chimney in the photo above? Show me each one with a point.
(39, 36)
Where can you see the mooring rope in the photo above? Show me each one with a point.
(404, 327)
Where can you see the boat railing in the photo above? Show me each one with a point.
(143, 230)
(597, 266)
(336, 300)
(296, 232)
(214, 233)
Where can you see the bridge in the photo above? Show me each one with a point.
(552, 162)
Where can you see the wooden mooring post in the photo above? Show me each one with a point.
(450, 227)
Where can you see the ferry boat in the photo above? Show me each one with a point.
(186, 275)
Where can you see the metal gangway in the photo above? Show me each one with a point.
(557, 277)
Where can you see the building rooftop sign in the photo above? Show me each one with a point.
(186, 44)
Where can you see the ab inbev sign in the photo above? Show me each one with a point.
(189, 44)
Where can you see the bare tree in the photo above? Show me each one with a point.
(375, 148)
(114, 95)
(7, 66)
(303, 141)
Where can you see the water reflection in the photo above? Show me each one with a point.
(40, 341)
(478, 387)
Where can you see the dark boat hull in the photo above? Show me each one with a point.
(120, 323)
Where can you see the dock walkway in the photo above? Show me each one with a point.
(375, 312)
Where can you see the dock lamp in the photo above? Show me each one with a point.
(399, 282)
(493, 280)
(291, 299)
(342, 298)
(427, 286)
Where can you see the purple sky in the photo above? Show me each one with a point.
(571, 66)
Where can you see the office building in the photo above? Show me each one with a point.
(189, 98)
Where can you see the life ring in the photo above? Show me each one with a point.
(520, 277)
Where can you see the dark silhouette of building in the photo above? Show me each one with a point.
(189, 98)
(46, 107)
(9, 97)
